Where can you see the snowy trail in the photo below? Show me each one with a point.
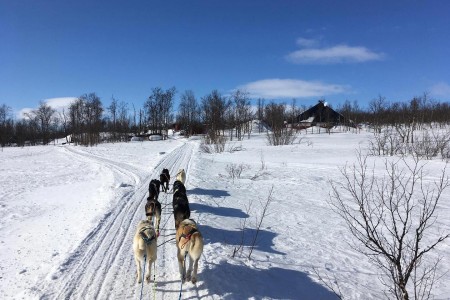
(102, 266)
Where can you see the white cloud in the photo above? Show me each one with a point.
(291, 88)
(440, 89)
(56, 103)
(302, 42)
(335, 54)
(21, 114)
(60, 103)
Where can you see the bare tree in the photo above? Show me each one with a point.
(85, 116)
(64, 123)
(275, 116)
(159, 109)
(42, 116)
(213, 108)
(166, 109)
(6, 125)
(242, 113)
(188, 113)
(377, 109)
(112, 108)
(392, 220)
(260, 112)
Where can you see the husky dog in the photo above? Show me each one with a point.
(181, 176)
(153, 206)
(153, 209)
(190, 240)
(144, 248)
(180, 203)
(165, 179)
(178, 186)
(153, 189)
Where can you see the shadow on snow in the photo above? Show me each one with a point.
(219, 211)
(264, 241)
(212, 193)
(242, 282)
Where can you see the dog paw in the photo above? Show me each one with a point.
(147, 279)
(194, 280)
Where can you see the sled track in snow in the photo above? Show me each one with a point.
(102, 266)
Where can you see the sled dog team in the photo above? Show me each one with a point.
(189, 240)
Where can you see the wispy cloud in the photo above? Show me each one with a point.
(440, 89)
(291, 88)
(21, 114)
(56, 103)
(311, 54)
(59, 103)
(303, 42)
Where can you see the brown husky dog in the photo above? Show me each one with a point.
(189, 242)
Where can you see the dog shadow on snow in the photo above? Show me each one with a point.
(219, 211)
(230, 281)
(264, 241)
(205, 192)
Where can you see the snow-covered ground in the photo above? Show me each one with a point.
(68, 215)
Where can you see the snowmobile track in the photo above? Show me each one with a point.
(102, 266)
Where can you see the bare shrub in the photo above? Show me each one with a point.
(259, 220)
(219, 144)
(331, 284)
(262, 171)
(446, 153)
(234, 148)
(281, 136)
(213, 144)
(240, 247)
(430, 144)
(377, 146)
(386, 142)
(263, 162)
(205, 148)
(391, 219)
(234, 170)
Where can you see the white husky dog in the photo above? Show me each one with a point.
(189, 240)
(181, 176)
(144, 244)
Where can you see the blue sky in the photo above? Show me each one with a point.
(278, 50)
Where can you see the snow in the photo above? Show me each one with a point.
(68, 214)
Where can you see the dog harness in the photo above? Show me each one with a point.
(188, 235)
(146, 239)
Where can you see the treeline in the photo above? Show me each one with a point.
(414, 114)
(88, 122)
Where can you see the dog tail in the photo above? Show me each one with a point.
(141, 244)
(194, 238)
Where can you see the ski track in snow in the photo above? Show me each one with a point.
(102, 266)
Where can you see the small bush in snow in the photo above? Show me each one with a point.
(282, 136)
(234, 171)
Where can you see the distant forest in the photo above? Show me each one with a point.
(88, 122)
